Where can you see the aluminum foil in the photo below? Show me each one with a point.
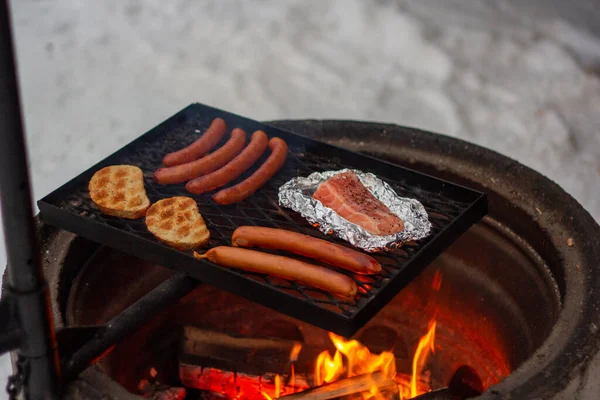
(297, 195)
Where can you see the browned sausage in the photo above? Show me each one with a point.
(213, 161)
(308, 246)
(237, 166)
(200, 147)
(282, 267)
(247, 187)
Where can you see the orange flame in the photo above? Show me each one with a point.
(295, 351)
(352, 358)
(425, 344)
(277, 386)
(293, 358)
(293, 379)
(327, 368)
(266, 395)
(359, 360)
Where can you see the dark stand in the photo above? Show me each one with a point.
(29, 300)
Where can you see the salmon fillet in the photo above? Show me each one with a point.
(345, 194)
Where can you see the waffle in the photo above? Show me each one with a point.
(119, 190)
(177, 222)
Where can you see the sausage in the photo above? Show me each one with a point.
(247, 187)
(282, 267)
(236, 167)
(213, 161)
(200, 147)
(304, 245)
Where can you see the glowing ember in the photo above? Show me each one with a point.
(242, 386)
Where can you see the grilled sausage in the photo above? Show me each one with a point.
(247, 187)
(282, 267)
(200, 147)
(236, 167)
(212, 162)
(304, 245)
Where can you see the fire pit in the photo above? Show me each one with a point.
(482, 318)
(516, 298)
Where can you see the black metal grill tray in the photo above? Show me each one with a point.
(452, 210)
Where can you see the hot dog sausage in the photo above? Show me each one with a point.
(282, 267)
(308, 246)
(212, 162)
(200, 147)
(246, 188)
(237, 166)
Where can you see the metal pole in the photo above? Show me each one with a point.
(26, 281)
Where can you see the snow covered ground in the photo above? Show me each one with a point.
(522, 81)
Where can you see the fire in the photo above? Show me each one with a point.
(266, 395)
(327, 368)
(295, 351)
(359, 360)
(293, 378)
(420, 358)
(293, 358)
(352, 358)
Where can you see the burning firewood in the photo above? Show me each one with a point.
(238, 385)
(375, 383)
(246, 355)
(262, 368)
(229, 365)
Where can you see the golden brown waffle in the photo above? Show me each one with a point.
(119, 190)
(177, 222)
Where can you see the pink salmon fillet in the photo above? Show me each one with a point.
(345, 194)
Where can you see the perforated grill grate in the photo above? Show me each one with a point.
(452, 209)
